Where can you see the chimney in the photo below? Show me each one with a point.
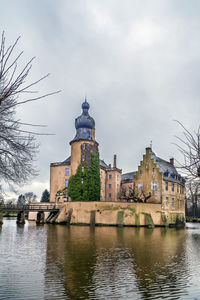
(148, 151)
(171, 161)
(115, 161)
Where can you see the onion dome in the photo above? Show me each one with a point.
(84, 124)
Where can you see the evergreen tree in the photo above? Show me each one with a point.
(45, 196)
(85, 184)
(94, 186)
(78, 184)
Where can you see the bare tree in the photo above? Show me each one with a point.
(133, 195)
(192, 197)
(27, 198)
(189, 147)
(18, 145)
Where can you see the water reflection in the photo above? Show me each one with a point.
(57, 262)
(109, 262)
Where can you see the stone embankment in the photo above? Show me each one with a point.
(113, 214)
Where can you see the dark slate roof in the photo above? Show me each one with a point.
(68, 161)
(168, 170)
(65, 162)
(103, 164)
(84, 124)
(128, 177)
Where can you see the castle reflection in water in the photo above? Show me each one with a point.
(108, 262)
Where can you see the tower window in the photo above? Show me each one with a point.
(109, 195)
(109, 186)
(154, 186)
(140, 186)
(67, 171)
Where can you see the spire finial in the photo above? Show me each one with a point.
(85, 97)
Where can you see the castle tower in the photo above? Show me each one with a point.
(84, 144)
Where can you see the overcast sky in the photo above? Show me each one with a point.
(137, 61)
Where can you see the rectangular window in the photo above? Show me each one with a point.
(66, 194)
(154, 186)
(166, 186)
(153, 171)
(109, 186)
(140, 186)
(67, 171)
(66, 182)
(110, 176)
(109, 195)
(166, 202)
(177, 188)
(172, 202)
(172, 187)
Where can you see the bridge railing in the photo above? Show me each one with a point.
(28, 207)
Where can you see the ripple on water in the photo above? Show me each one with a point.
(57, 262)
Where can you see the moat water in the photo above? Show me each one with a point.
(57, 262)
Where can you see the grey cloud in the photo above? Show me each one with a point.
(138, 62)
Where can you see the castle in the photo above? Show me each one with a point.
(155, 181)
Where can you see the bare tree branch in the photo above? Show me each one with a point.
(18, 145)
(189, 147)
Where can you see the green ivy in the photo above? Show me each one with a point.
(85, 184)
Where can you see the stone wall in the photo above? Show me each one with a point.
(118, 213)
